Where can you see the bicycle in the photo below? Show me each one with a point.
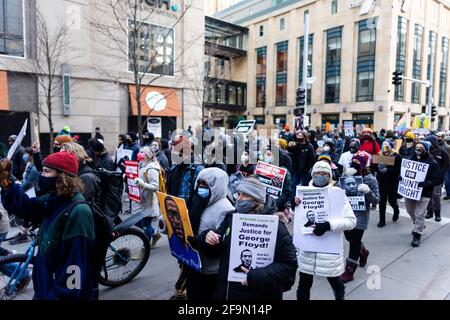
(127, 254)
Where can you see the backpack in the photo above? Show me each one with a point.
(162, 181)
(103, 228)
(111, 189)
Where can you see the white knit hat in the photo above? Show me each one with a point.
(322, 166)
(148, 152)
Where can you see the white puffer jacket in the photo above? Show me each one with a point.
(324, 264)
(149, 173)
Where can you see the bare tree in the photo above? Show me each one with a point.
(124, 29)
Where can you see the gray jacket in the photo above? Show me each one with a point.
(214, 213)
(4, 220)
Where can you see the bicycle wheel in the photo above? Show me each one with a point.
(126, 257)
(11, 263)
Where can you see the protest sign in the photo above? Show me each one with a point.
(349, 129)
(412, 173)
(422, 124)
(154, 125)
(253, 240)
(132, 172)
(386, 160)
(244, 126)
(18, 141)
(398, 144)
(315, 208)
(350, 185)
(123, 154)
(272, 177)
(176, 218)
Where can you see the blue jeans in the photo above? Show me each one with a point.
(9, 268)
(146, 225)
(300, 178)
(447, 182)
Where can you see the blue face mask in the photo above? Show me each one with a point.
(203, 192)
(26, 157)
(320, 181)
(244, 206)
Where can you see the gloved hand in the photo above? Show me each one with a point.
(364, 188)
(138, 182)
(351, 172)
(321, 228)
(421, 184)
(5, 174)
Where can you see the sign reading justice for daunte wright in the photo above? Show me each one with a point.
(412, 174)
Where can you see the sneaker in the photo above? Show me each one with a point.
(23, 284)
(155, 238)
(178, 295)
(446, 198)
(429, 215)
(19, 238)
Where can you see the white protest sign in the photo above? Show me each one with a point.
(412, 173)
(154, 125)
(31, 193)
(315, 208)
(253, 240)
(349, 129)
(124, 154)
(18, 141)
(357, 199)
(244, 126)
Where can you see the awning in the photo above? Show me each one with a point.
(4, 100)
(156, 102)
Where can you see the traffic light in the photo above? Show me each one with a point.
(299, 111)
(263, 101)
(396, 80)
(424, 109)
(433, 113)
(300, 100)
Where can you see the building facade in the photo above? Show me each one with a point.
(96, 68)
(354, 47)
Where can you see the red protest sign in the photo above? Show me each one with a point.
(272, 177)
(132, 172)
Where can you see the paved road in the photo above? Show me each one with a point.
(395, 270)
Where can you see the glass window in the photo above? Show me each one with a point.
(11, 28)
(221, 94)
(261, 31)
(211, 93)
(334, 6)
(260, 75)
(281, 24)
(310, 64)
(443, 73)
(417, 63)
(333, 65)
(259, 119)
(232, 94)
(402, 29)
(432, 42)
(240, 96)
(153, 48)
(366, 60)
(281, 94)
(281, 81)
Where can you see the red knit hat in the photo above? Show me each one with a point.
(362, 157)
(62, 161)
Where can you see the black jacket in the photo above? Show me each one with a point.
(18, 165)
(407, 153)
(389, 180)
(285, 199)
(441, 157)
(433, 178)
(285, 160)
(91, 183)
(303, 157)
(105, 162)
(266, 283)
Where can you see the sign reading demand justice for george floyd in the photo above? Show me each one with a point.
(253, 240)
(412, 173)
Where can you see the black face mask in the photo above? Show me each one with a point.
(353, 149)
(56, 149)
(46, 184)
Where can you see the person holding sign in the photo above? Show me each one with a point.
(387, 177)
(323, 264)
(369, 188)
(265, 283)
(417, 209)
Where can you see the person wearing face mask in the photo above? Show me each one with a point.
(338, 146)
(209, 207)
(18, 165)
(408, 148)
(346, 158)
(132, 144)
(369, 143)
(246, 168)
(67, 242)
(303, 159)
(160, 156)
(266, 283)
(119, 163)
(148, 182)
(387, 177)
(59, 141)
(369, 188)
(322, 264)
(418, 209)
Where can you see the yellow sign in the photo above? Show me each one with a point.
(422, 122)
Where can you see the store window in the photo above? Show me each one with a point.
(259, 119)
(153, 48)
(362, 120)
(279, 121)
(12, 28)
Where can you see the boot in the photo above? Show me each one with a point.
(382, 222)
(363, 255)
(437, 216)
(429, 214)
(339, 294)
(350, 269)
(416, 239)
(395, 216)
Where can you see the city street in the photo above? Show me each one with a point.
(395, 270)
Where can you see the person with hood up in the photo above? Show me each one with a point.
(102, 158)
(372, 196)
(148, 182)
(209, 207)
(441, 157)
(132, 144)
(408, 148)
(387, 177)
(323, 264)
(303, 159)
(267, 283)
(417, 209)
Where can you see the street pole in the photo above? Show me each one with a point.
(430, 91)
(305, 60)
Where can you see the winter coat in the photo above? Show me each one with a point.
(135, 148)
(372, 198)
(266, 283)
(215, 212)
(433, 178)
(163, 161)
(180, 180)
(286, 195)
(91, 183)
(407, 153)
(285, 160)
(149, 172)
(370, 146)
(325, 264)
(303, 157)
(387, 176)
(30, 177)
(441, 157)
(64, 243)
(4, 221)
(105, 162)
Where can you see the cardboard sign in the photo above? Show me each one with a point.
(386, 160)
(315, 208)
(349, 129)
(350, 185)
(422, 124)
(398, 144)
(412, 173)
(179, 228)
(132, 172)
(244, 126)
(272, 177)
(253, 240)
